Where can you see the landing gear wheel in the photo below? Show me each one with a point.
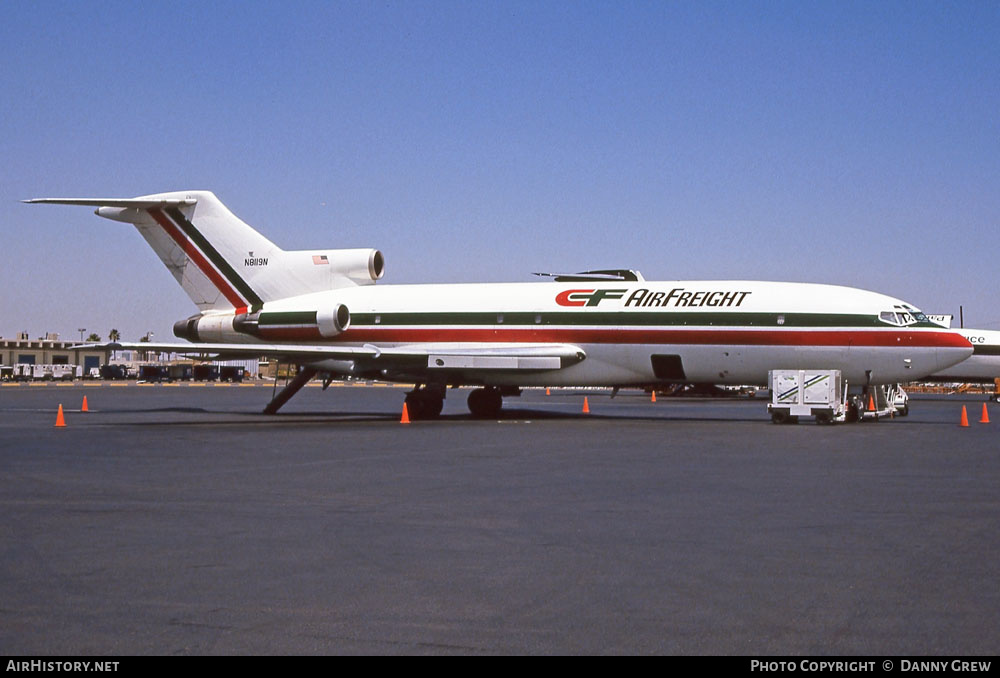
(424, 404)
(485, 403)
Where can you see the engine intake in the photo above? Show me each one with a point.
(330, 269)
(333, 320)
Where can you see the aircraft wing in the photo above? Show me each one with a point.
(419, 357)
(294, 353)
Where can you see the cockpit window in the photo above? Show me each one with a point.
(920, 317)
(902, 317)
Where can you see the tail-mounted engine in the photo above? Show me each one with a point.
(209, 328)
(333, 320)
(326, 322)
(329, 269)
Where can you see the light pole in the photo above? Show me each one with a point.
(81, 330)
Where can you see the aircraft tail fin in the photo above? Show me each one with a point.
(220, 261)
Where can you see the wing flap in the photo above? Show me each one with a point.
(477, 362)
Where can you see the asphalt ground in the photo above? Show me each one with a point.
(182, 521)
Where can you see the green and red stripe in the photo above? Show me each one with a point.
(208, 260)
(845, 338)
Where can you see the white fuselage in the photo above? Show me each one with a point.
(724, 332)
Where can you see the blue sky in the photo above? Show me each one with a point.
(841, 142)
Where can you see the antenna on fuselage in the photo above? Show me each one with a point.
(609, 275)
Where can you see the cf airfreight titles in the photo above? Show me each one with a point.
(681, 297)
(642, 297)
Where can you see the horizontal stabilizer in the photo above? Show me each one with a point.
(135, 203)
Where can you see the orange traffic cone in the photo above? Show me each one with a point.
(60, 421)
(985, 419)
(84, 408)
(547, 391)
(965, 417)
(652, 397)
(871, 403)
(586, 407)
(405, 419)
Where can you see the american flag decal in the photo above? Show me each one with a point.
(320, 259)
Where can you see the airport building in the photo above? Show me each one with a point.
(49, 351)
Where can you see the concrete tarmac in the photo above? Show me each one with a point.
(182, 521)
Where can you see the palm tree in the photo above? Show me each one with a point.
(113, 335)
(93, 337)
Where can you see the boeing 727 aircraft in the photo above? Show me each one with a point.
(322, 310)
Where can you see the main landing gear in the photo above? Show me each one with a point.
(426, 402)
(486, 403)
